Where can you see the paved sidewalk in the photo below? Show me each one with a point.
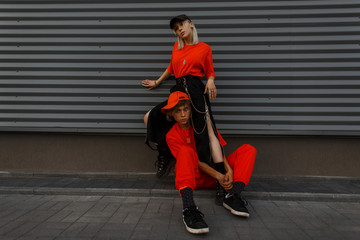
(42, 206)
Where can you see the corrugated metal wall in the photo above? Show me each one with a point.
(283, 67)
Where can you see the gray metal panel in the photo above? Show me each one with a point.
(283, 67)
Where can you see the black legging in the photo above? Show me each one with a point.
(158, 126)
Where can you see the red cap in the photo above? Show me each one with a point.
(174, 98)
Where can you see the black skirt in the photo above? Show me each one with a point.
(158, 125)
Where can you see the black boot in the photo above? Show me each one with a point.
(164, 163)
(220, 194)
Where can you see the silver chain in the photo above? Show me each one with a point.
(197, 110)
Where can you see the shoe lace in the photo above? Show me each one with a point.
(194, 214)
(242, 199)
(239, 197)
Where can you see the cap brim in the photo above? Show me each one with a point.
(167, 107)
(177, 19)
(174, 21)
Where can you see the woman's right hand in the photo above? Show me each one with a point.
(150, 84)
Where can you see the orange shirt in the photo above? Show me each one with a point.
(177, 137)
(193, 60)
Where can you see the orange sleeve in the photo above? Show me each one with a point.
(209, 68)
(174, 142)
(170, 69)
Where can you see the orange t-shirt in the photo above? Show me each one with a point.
(177, 137)
(193, 60)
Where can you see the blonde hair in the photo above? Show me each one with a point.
(181, 42)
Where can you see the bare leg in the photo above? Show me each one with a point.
(217, 155)
(146, 117)
(215, 147)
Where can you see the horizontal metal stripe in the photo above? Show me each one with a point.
(260, 74)
(139, 118)
(222, 82)
(239, 128)
(161, 25)
(167, 11)
(135, 50)
(131, 131)
(226, 72)
(160, 4)
(268, 44)
(255, 15)
(72, 108)
(290, 110)
(152, 98)
(239, 91)
(293, 110)
(73, 125)
(72, 116)
(150, 49)
(110, 66)
(321, 130)
(317, 128)
(124, 30)
(155, 38)
(117, 57)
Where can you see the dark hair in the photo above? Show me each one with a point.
(170, 111)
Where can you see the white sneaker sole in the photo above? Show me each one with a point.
(237, 213)
(196, 231)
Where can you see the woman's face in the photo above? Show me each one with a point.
(184, 29)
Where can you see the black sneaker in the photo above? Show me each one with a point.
(236, 205)
(164, 165)
(194, 222)
(220, 194)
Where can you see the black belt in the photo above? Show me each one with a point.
(185, 78)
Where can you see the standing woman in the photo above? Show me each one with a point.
(191, 60)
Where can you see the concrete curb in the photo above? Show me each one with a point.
(115, 175)
(169, 193)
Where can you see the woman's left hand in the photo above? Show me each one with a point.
(210, 86)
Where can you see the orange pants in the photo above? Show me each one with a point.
(188, 173)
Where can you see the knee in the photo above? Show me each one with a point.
(187, 155)
(248, 148)
(146, 117)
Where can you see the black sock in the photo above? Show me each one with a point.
(238, 187)
(220, 167)
(187, 197)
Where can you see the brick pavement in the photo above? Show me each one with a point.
(56, 213)
(119, 217)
